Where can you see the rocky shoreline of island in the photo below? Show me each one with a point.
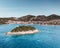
(23, 32)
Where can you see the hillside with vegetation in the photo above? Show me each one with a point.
(40, 19)
(33, 18)
(4, 20)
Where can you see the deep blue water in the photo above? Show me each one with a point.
(49, 37)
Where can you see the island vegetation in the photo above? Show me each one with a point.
(23, 28)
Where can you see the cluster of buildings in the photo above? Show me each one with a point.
(18, 22)
(51, 22)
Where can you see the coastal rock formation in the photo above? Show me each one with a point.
(23, 30)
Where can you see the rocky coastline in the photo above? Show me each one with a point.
(31, 19)
(22, 32)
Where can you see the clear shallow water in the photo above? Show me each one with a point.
(49, 37)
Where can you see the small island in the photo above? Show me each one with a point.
(23, 30)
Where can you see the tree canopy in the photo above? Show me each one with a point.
(23, 28)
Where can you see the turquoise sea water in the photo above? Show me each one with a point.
(49, 37)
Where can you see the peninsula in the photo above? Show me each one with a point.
(23, 30)
(52, 19)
